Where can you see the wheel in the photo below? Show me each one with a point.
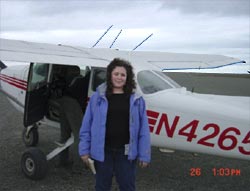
(34, 164)
(32, 138)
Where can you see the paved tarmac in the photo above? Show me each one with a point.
(167, 172)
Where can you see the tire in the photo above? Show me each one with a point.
(32, 138)
(34, 164)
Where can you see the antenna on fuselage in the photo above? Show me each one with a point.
(102, 36)
(115, 39)
(143, 41)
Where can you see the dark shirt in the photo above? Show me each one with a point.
(117, 125)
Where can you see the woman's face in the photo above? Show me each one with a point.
(119, 77)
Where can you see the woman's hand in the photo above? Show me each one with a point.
(143, 164)
(85, 159)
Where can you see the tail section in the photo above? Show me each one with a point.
(2, 65)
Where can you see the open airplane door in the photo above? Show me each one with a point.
(33, 161)
(37, 93)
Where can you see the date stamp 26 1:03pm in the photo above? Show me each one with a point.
(216, 172)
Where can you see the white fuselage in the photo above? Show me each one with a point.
(178, 119)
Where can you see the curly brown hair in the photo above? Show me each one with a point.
(130, 82)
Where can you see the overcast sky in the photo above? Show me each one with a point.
(202, 26)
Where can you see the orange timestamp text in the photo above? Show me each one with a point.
(216, 172)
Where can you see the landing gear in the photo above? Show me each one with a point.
(34, 164)
(30, 136)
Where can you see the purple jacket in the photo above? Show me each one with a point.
(93, 129)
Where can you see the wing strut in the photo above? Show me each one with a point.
(115, 39)
(102, 36)
(143, 41)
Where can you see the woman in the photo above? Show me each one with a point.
(115, 131)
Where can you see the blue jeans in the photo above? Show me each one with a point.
(115, 164)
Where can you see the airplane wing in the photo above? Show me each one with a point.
(24, 51)
(16, 50)
(213, 83)
(181, 61)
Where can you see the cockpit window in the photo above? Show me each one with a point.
(152, 81)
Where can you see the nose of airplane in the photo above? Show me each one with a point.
(191, 105)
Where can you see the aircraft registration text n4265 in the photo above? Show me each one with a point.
(228, 139)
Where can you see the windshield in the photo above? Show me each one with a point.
(153, 81)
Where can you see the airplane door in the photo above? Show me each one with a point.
(37, 93)
(22, 93)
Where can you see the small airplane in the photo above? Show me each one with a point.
(37, 74)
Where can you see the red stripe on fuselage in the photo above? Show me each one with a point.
(14, 79)
(21, 84)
